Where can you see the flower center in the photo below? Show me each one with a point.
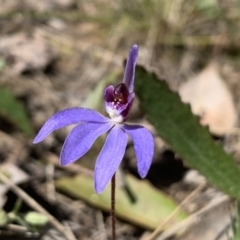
(120, 94)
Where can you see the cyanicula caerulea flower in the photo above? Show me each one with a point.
(91, 125)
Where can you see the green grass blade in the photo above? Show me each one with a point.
(176, 124)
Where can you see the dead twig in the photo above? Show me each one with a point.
(193, 218)
(100, 225)
(50, 187)
(69, 230)
(75, 168)
(32, 203)
(176, 211)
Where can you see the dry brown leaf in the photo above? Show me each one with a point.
(47, 5)
(26, 53)
(210, 99)
(8, 6)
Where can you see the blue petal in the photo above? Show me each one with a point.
(80, 140)
(109, 158)
(67, 117)
(130, 68)
(143, 145)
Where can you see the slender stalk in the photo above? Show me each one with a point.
(113, 207)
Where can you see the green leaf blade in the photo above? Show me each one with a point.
(14, 112)
(176, 124)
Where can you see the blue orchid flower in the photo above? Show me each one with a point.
(92, 124)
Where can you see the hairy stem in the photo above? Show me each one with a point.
(113, 207)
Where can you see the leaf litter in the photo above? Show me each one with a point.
(48, 68)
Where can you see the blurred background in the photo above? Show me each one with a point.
(56, 54)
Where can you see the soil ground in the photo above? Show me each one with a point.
(54, 54)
